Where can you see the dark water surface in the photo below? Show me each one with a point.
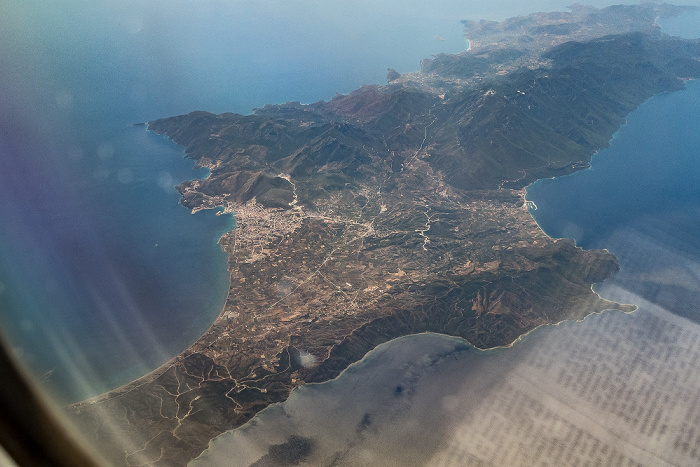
(641, 201)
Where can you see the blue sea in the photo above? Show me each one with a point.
(641, 200)
(103, 276)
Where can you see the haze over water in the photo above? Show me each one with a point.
(102, 275)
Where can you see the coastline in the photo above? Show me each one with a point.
(270, 338)
(183, 354)
(624, 308)
(596, 160)
(593, 157)
(358, 364)
(193, 352)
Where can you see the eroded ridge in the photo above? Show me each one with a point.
(390, 211)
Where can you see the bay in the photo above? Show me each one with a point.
(641, 200)
(109, 278)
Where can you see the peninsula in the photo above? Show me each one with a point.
(394, 210)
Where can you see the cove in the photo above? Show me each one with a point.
(641, 200)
